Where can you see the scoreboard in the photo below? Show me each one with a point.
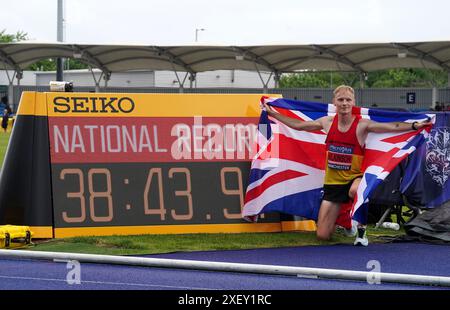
(109, 163)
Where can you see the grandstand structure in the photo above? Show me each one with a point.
(263, 65)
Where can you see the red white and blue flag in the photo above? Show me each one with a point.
(288, 170)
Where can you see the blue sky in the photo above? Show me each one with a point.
(240, 22)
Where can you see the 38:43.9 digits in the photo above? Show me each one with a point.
(89, 195)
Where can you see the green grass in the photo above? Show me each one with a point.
(4, 138)
(152, 244)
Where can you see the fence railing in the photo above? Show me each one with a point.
(407, 98)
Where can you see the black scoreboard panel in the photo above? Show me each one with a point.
(135, 194)
(151, 163)
(81, 164)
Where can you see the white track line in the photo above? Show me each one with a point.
(104, 283)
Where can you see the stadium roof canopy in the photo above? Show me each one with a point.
(277, 59)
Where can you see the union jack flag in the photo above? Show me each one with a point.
(288, 170)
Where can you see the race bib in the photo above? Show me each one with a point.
(340, 157)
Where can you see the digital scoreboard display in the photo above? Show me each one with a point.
(143, 163)
(84, 164)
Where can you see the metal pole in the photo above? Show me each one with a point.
(192, 79)
(196, 33)
(277, 79)
(60, 38)
(233, 267)
(434, 97)
(361, 80)
(11, 95)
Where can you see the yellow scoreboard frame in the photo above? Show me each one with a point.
(106, 163)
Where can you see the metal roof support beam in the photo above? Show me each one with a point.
(107, 77)
(8, 61)
(260, 76)
(17, 73)
(192, 78)
(10, 79)
(19, 76)
(276, 78)
(265, 84)
(422, 55)
(172, 58)
(255, 58)
(180, 83)
(10, 87)
(258, 60)
(91, 59)
(97, 82)
(338, 57)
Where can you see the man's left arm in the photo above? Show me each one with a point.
(395, 126)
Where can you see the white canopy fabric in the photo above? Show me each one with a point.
(277, 59)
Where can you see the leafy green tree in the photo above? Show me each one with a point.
(18, 36)
(377, 79)
(74, 64)
(305, 80)
(407, 78)
(318, 79)
(50, 65)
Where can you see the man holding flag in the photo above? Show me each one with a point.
(344, 135)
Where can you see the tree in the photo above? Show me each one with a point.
(407, 78)
(378, 79)
(305, 80)
(318, 79)
(50, 65)
(18, 36)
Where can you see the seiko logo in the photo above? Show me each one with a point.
(93, 105)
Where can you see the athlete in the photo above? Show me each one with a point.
(345, 144)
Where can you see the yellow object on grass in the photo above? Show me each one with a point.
(12, 236)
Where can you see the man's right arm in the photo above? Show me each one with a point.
(295, 123)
